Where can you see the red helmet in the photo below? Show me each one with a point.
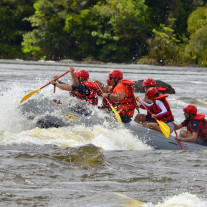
(108, 81)
(191, 109)
(151, 92)
(149, 82)
(81, 74)
(116, 74)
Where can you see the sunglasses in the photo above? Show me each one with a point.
(111, 78)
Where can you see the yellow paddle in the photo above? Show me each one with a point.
(33, 92)
(71, 117)
(163, 126)
(130, 202)
(113, 109)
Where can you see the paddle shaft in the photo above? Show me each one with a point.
(55, 79)
(33, 92)
(105, 97)
(113, 109)
(146, 108)
(163, 126)
(178, 140)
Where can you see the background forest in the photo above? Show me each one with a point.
(122, 31)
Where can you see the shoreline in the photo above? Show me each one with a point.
(91, 62)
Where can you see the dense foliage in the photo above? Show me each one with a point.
(151, 31)
(104, 30)
(164, 47)
(196, 50)
(13, 26)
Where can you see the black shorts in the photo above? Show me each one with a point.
(125, 118)
(150, 119)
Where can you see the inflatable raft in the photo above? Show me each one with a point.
(46, 113)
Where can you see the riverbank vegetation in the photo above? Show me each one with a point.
(157, 32)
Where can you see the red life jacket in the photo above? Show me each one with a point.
(92, 98)
(105, 104)
(168, 117)
(202, 127)
(128, 104)
(162, 90)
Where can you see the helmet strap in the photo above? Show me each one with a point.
(116, 82)
(191, 116)
(80, 79)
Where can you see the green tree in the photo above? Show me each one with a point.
(79, 28)
(47, 38)
(125, 29)
(110, 30)
(12, 26)
(60, 29)
(160, 11)
(196, 50)
(164, 48)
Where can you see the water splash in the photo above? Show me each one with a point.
(76, 136)
(182, 200)
(121, 200)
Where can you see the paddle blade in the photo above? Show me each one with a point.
(72, 117)
(116, 114)
(29, 95)
(127, 201)
(164, 128)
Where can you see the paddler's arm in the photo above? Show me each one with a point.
(61, 86)
(74, 78)
(119, 96)
(105, 88)
(163, 109)
(177, 126)
(192, 138)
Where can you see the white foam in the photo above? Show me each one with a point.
(181, 200)
(107, 139)
(116, 139)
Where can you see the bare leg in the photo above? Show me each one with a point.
(140, 118)
(152, 125)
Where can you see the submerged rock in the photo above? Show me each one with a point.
(140, 89)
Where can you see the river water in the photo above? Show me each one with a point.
(87, 166)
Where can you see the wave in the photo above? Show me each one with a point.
(120, 200)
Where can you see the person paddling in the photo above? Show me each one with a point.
(81, 88)
(196, 126)
(148, 83)
(160, 110)
(121, 95)
(106, 88)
